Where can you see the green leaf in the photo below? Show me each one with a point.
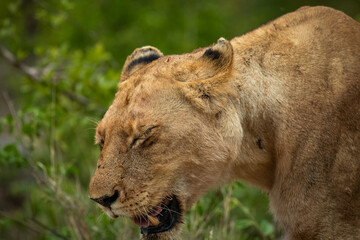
(266, 228)
(9, 155)
(244, 223)
(28, 129)
(8, 120)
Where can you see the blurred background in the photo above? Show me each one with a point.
(60, 62)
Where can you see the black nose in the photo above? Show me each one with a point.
(106, 201)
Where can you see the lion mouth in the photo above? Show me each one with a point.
(162, 218)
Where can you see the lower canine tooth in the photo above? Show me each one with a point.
(154, 221)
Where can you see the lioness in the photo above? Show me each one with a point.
(278, 107)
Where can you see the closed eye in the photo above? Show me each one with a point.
(101, 145)
(142, 137)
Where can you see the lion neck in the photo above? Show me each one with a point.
(255, 114)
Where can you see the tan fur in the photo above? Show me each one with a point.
(279, 108)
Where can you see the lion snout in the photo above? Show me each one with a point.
(106, 200)
(103, 190)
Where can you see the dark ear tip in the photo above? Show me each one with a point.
(139, 58)
(142, 60)
(222, 48)
(213, 54)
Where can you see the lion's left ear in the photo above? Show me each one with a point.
(138, 59)
(218, 58)
(211, 94)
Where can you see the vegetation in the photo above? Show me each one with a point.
(59, 67)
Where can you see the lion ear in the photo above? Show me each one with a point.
(219, 57)
(138, 59)
(211, 93)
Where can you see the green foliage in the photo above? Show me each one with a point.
(78, 48)
(10, 155)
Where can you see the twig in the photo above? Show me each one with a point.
(61, 198)
(77, 98)
(26, 224)
(35, 75)
(17, 132)
(33, 228)
(32, 73)
(39, 177)
(53, 231)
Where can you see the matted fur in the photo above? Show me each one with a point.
(278, 107)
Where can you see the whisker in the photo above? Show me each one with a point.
(153, 210)
(146, 215)
(170, 210)
(140, 215)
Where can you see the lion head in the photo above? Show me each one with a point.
(162, 144)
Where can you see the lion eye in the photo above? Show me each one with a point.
(101, 145)
(134, 142)
(142, 137)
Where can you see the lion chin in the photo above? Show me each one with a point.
(162, 222)
(277, 107)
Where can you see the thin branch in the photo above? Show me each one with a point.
(35, 75)
(59, 196)
(53, 231)
(32, 73)
(17, 132)
(26, 224)
(77, 98)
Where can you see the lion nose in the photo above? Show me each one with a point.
(106, 201)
